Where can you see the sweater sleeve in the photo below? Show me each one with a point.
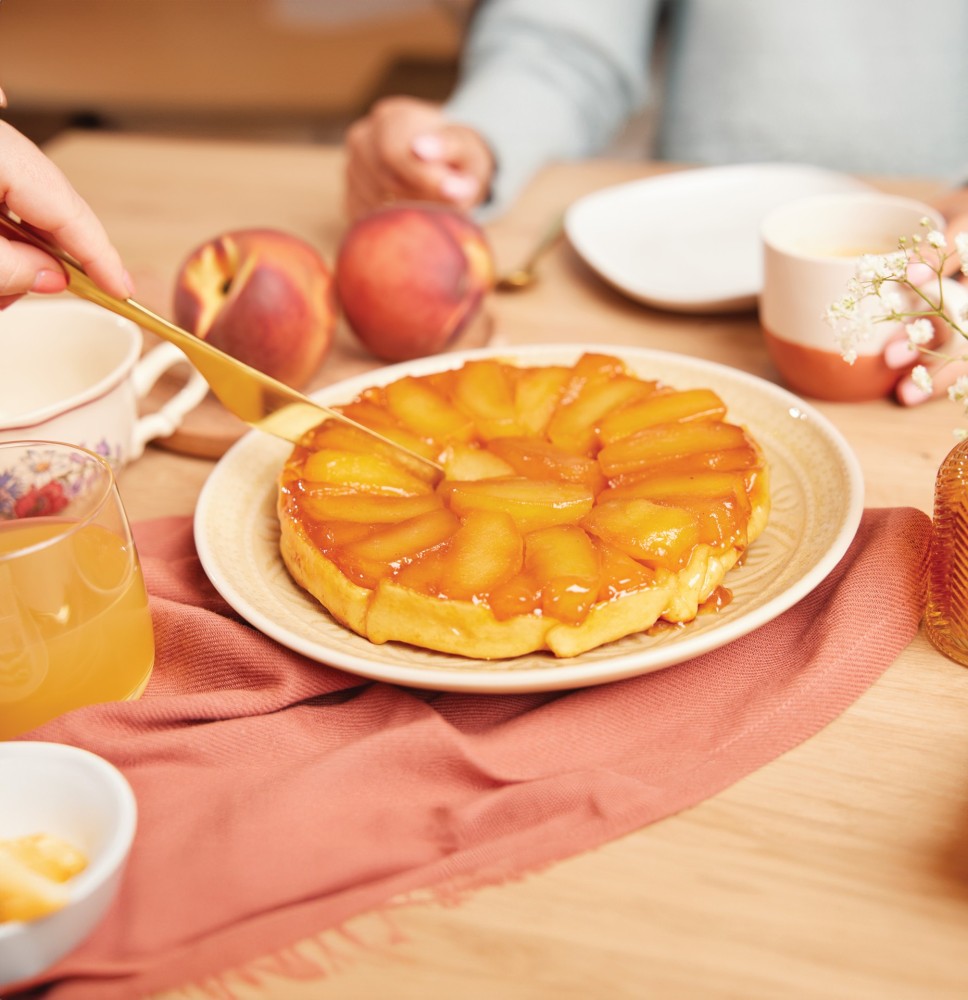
(551, 79)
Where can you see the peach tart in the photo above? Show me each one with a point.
(580, 503)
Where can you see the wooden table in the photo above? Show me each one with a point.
(840, 870)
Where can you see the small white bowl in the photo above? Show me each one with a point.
(71, 793)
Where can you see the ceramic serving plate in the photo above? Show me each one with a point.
(817, 501)
(689, 241)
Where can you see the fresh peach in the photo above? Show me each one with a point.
(410, 277)
(264, 296)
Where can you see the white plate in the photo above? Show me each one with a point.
(689, 241)
(817, 493)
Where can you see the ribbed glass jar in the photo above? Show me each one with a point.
(946, 618)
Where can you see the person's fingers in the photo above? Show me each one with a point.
(899, 352)
(463, 165)
(370, 180)
(909, 393)
(36, 190)
(405, 149)
(944, 370)
(24, 268)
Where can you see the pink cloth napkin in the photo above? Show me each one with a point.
(278, 797)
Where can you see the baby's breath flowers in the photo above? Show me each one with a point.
(888, 288)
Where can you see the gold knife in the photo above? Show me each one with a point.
(261, 401)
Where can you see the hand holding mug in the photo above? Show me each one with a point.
(812, 249)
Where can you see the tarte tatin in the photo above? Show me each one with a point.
(581, 503)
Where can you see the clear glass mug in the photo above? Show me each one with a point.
(75, 628)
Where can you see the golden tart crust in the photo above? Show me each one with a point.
(581, 503)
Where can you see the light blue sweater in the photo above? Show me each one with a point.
(866, 86)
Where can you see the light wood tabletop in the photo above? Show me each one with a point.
(840, 870)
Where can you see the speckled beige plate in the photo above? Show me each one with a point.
(817, 494)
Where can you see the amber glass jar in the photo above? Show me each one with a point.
(946, 618)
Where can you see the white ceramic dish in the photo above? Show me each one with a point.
(689, 241)
(817, 491)
(71, 793)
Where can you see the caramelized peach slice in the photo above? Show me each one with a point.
(536, 394)
(368, 473)
(343, 437)
(531, 503)
(485, 551)
(663, 442)
(574, 424)
(722, 521)
(620, 573)
(661, 485)
(370, 410)
(484, 391)
(384, 551)
(539, 459)
(658, 535)
(521, 595)
(424, 574)
(663, 407)
(565, 562)
(745, 458)
(719, 500)
(369, 508)
(329, 535)
(466, 461)
(426, 412)
(594, 367)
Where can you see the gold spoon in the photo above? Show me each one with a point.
(258, 399)
(526, 275)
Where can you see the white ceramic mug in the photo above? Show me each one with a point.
(71, 371)
(811, 248)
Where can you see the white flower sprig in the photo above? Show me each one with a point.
(881, 292)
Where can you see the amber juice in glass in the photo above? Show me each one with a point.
(75, 628)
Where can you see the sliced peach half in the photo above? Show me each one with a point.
(485, 551)
(663, 407)
(531, 503)
(384, 551)
(538, 459)
(426, 412)
(485, 392)
(565, 563)
(660, 536)
(574, 424)
(663, 442)
(357, 472)
(536, 395)
(368, 508)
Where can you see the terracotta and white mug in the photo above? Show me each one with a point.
(71, 371)
(811, 248)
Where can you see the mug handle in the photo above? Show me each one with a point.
(166, 420)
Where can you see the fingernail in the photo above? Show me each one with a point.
(3, 98)
(910, 395)
(459, 186)
(898, 354)
(49, 281)
(428, 146)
